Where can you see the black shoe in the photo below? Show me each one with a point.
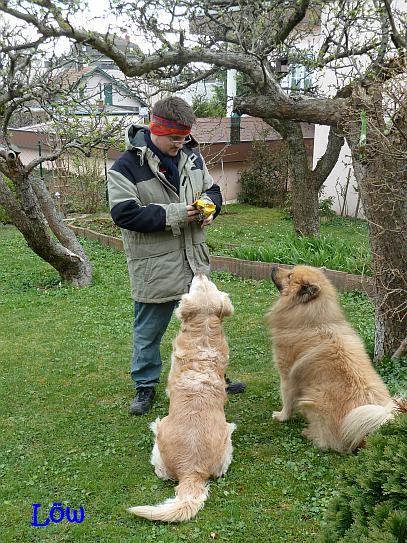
(143, 401)
(234, 388)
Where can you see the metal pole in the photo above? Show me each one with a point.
(40, 154)
(105, 161)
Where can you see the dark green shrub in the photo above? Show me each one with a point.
(209, 108)
(371, 504)
(264, 181)
(326, 207)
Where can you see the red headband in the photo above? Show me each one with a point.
(165, 127)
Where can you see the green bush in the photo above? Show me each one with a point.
(79, 185)
(209, 108)
(326, 207)
(371, 504)
(264, 180)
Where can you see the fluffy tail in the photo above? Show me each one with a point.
(363, 420)
(190, 496)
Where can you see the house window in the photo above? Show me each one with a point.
(299, 78)
(108, 94)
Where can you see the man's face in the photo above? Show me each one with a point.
(169, 145)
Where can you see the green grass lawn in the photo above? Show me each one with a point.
(67, 437)
(258, 224)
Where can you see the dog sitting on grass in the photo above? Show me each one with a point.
(325, 372)
(193, 443)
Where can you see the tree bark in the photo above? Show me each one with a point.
(401, 350)
(381, 170)
(327, 111)
(305, 182)
(388, 241)
(305, 204)
(26, 213)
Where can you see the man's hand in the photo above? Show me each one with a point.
(192, 213)
(207, 221)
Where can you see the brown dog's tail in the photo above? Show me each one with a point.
(364, 420)
(190, 496)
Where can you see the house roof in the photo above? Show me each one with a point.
(211, 130)
(212, 134)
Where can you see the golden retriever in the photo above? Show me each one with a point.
(325, 372)
(193, 443)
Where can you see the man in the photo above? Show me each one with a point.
(151, 191)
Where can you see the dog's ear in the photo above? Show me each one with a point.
(308, 291)
(227, 307)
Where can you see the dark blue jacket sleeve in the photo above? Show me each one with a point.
(131, 216)
(215, 195)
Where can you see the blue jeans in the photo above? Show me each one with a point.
(150, 323)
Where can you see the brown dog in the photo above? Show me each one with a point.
(325, 372)
(193, 443)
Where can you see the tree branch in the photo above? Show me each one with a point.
(328, 160)
(311, 110)
(398, 40)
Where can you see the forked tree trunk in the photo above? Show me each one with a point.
(28, 212)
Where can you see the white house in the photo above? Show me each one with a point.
(341, 183)
(106, 90)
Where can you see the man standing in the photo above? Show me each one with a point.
(151, 190)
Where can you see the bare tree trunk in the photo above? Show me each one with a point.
(25, 211)
(55, 219)
(306, 182)
(384, 204)
(381, 171)
(305, 206)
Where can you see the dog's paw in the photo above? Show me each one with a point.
(279, 416)
(306, 433)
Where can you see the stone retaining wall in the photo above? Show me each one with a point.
(246, 269)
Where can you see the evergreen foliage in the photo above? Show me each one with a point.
(209, 108)
(371, 505)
